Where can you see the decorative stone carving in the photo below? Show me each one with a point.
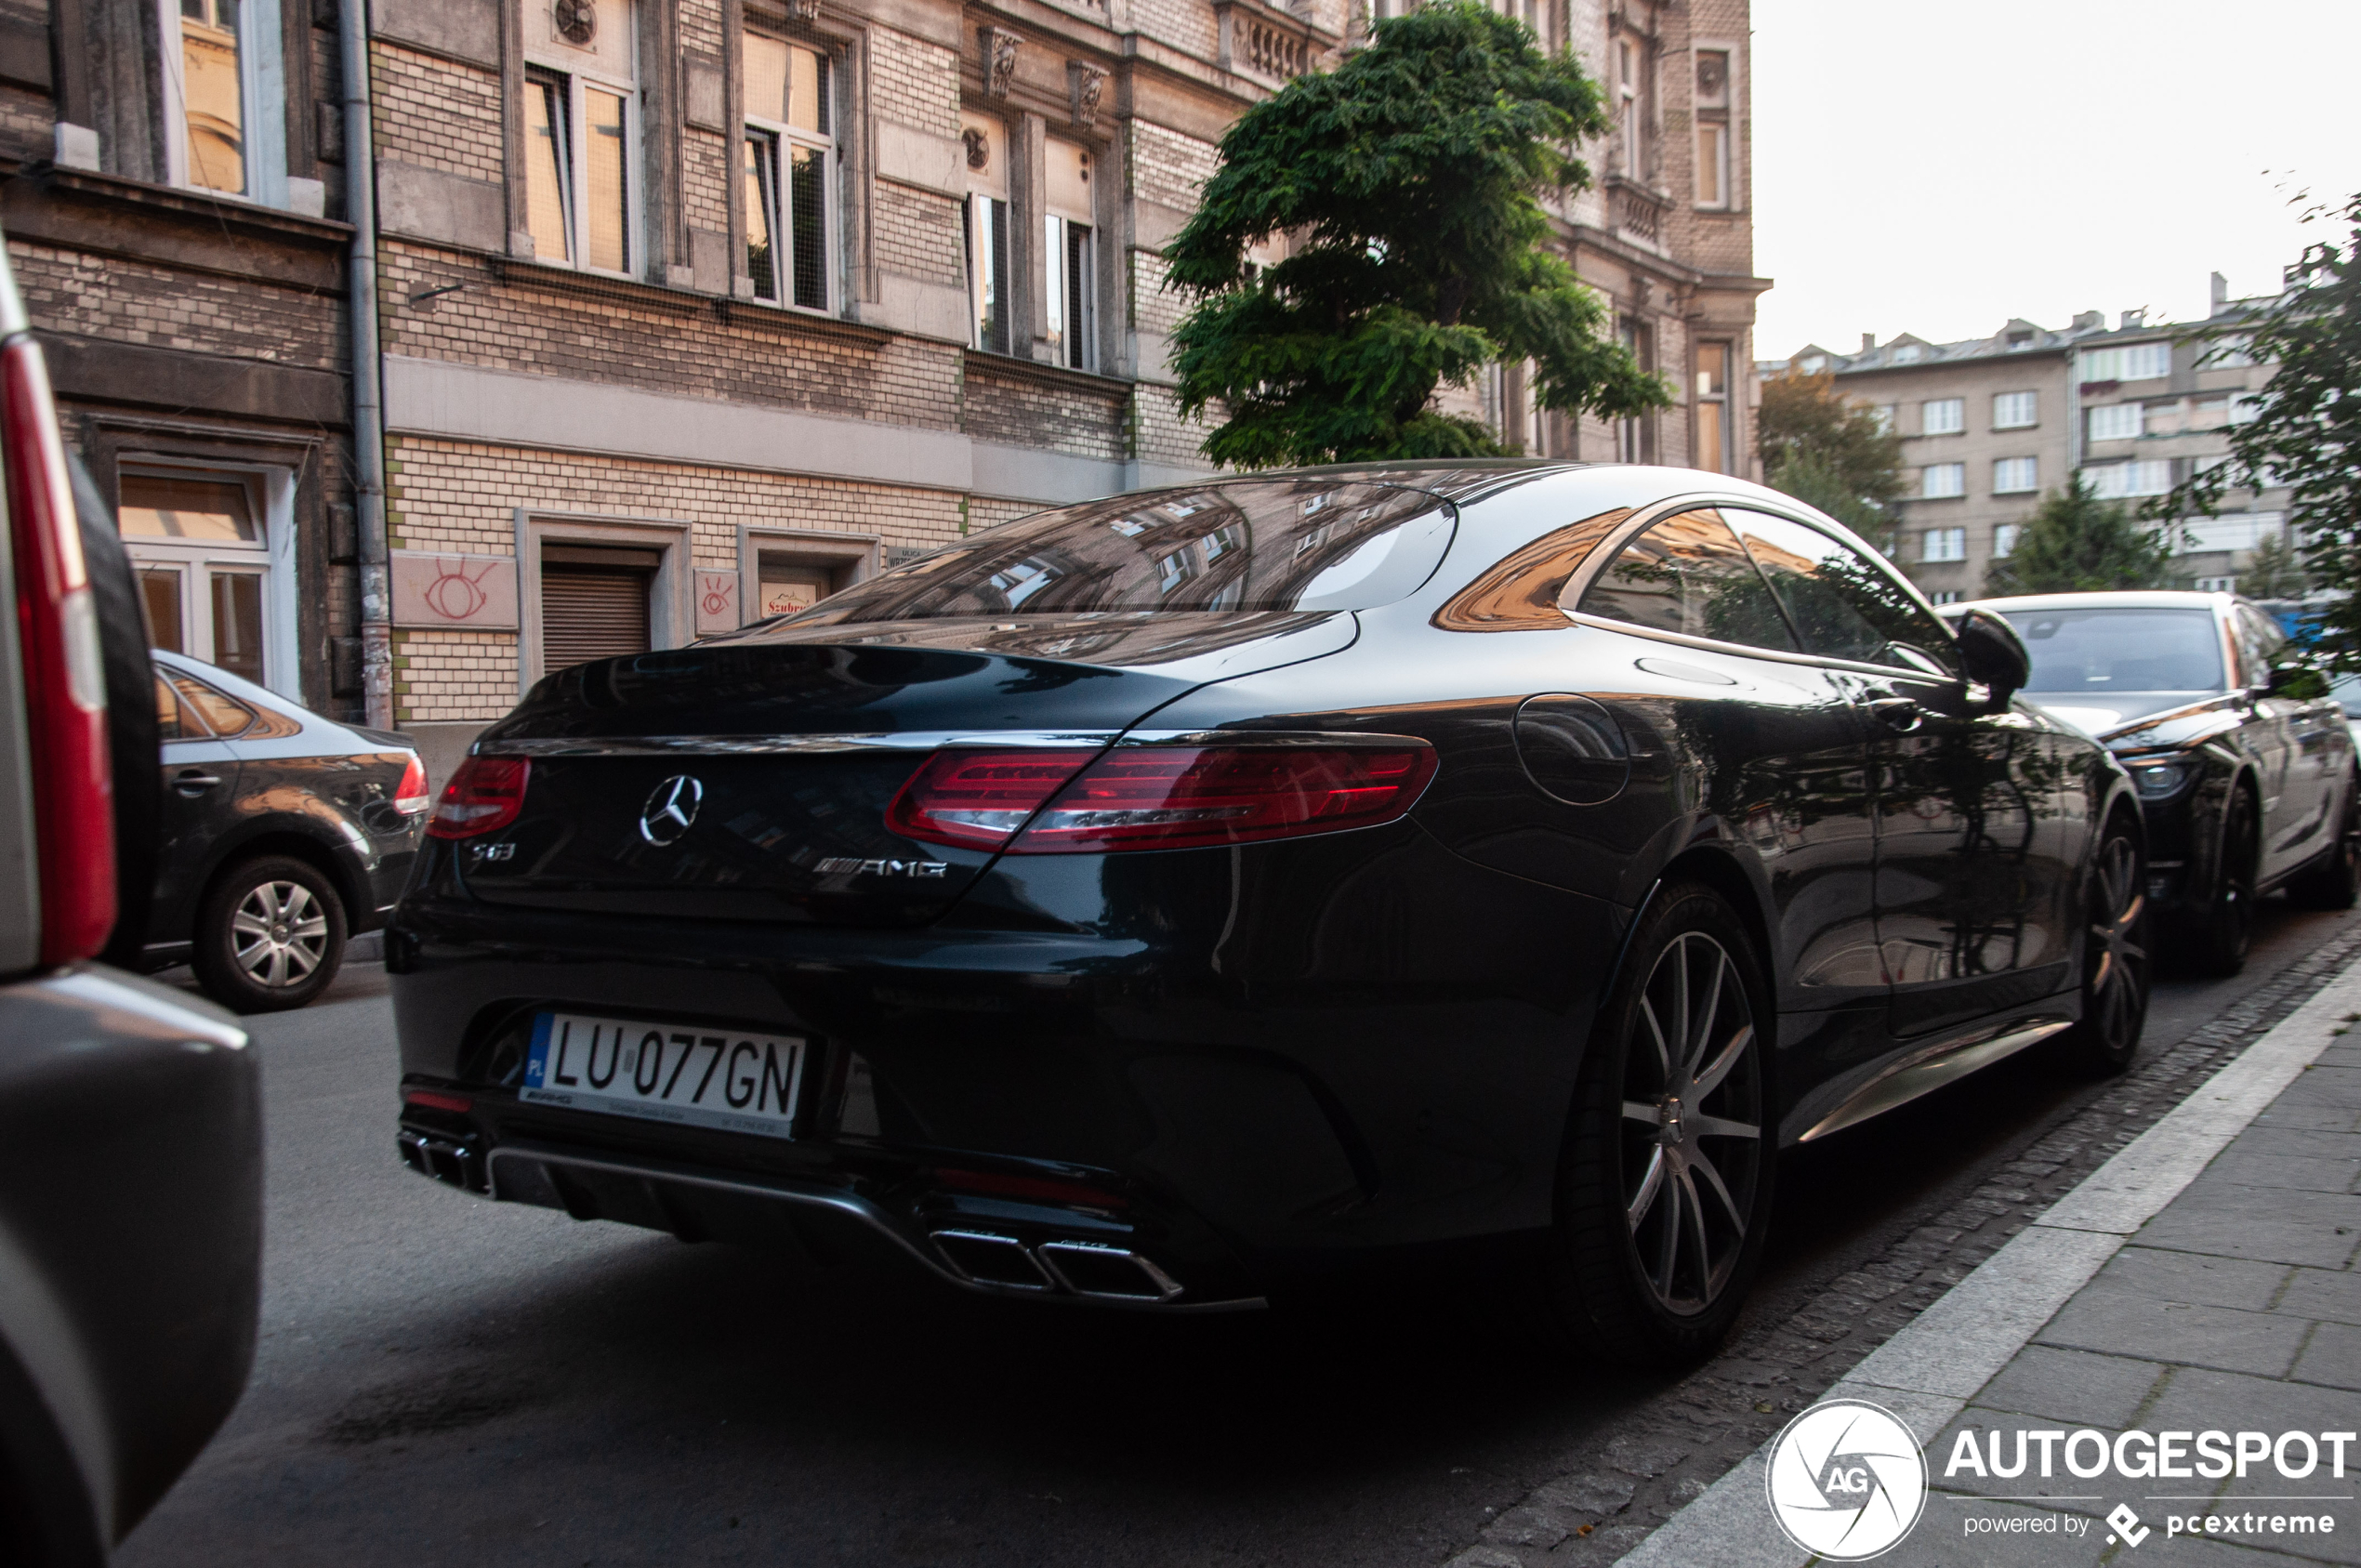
(1090, 84)
(999, 60)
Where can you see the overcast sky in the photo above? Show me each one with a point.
(1936, 166)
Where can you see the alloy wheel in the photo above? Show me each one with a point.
(1692, 1124)
(2115, 996)
(279, 934)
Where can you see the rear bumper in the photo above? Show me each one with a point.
(1262, 1103)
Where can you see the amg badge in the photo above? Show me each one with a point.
(846, 865)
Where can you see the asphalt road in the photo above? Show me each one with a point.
(445, 1381)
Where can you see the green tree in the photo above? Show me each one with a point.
(1408, 179)
(2079, 543)
(1819, 446)
(2274, 570)
(2306, 430)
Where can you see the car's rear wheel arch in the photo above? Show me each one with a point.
(294, 846)
(1713, 864)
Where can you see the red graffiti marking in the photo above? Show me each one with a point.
(719, 593)
(455, 596)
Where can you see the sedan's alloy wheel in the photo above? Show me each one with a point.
(1692, 1125)
(279, 934)
(2115, 956)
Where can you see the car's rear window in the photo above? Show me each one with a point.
(1299, 544)
(2090, 652)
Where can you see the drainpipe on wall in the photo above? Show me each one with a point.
(368, 403)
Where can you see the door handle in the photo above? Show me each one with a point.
(193, 782)
(1900, 715)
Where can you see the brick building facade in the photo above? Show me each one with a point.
(690, 311)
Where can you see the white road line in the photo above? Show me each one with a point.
(1926, 1373)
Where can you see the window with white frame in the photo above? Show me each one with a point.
(213, 549)
(1943, 481)
(2015, 411)
(1070, 323)
(2218, 584)
(2004, 540)
(1943, 543)
(1942, 417)
(1943, 596)
(991, 289)
(2136, 362)
(2014, 476)
(1908, 353)
(582, 135)
(2114, 481)
(2119, 421)
(1713, 129)
(789, 147)
(224, 97)
(1884, 414)
(1631, 106)
(1714, 432)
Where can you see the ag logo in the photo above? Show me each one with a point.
(1847, 1479)
(671, 807)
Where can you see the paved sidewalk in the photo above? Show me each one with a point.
(2201, 1279)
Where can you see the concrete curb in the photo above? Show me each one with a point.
(1926, 1373)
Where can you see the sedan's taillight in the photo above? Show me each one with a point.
(1157, 797)
(484, 795)
(64, 680)
(409, 796)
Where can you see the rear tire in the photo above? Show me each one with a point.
(2114, 957)
(1664, 1187)
(270, 935)
(2218, 944)
(2334, 881)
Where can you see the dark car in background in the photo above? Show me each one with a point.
(2243, 759)
(284, 834)
(130, 1121)
(1168, 900)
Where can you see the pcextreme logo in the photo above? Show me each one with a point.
(1847, 1479)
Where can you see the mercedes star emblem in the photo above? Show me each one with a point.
(670, 809)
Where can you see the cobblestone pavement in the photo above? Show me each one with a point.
(1793, 1344)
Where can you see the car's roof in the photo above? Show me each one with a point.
(2139, 598)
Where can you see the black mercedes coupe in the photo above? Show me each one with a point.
(1168, 899)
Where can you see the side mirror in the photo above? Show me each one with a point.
(1993, 655)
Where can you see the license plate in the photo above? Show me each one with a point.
(689, 1074)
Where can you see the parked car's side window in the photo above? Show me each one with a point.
(176, 720)
(222, 713)
(1688, 575)
(2260, 640)
(1842, 605)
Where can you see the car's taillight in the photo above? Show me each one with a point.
(484, 795)
(65, 683)
(410, 795)
(1157, 797)
(979, 798)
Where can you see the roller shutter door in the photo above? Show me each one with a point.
(591, 613)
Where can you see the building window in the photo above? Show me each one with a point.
(1884, 414)
(1908, 353)
(1071, 319)
(2004, 540)
(2015, 411)
(2116, 422)
(2014, 476)
(2114, 481)
(788, 126)
(203, 542)
(1945, 596)
(1636, 438)
(1712, 445)
(1942, 417)
(2139, 362)
(990, 287)
(1943, 543)
(1631, 106)
(1713, 129)
(2217, 585)
(223, 84)
(1943, 481)
(582, 135)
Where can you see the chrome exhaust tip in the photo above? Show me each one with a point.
(1110, 1274)
(1000, 1262)
(449, 1161)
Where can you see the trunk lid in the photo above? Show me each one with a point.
(793, 746)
